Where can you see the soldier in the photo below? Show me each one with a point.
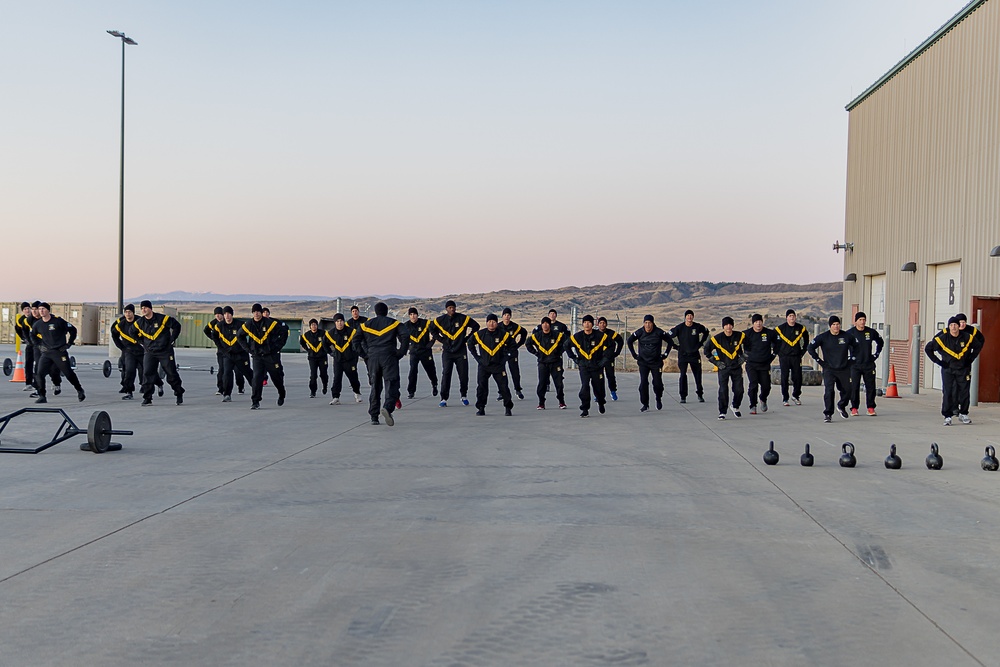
(264, 338)
(725, 351)
(793, 339)
(452, 330)
(355, 322)
(689, 337)
(383, 342)
(518, 335)
(126, 337)
(211, 334)
(547, 345)
(650, 358)
(952, 350)
(838, 354)
(617, 342)
(54, 372)
(22, 327)
(490, 349)
(864, 363)
(313, 342)
(421, 353)
(157, 333)
(589, 349)
(53, 336)
(345, 358)
(977, 336)
(235, 358)
(759, 347)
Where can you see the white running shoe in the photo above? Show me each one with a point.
(357, 398)
(947, 421)
(964, 419)
(335, 401)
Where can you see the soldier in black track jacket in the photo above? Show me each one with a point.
(650, 356)
(952, 350)
(759, 347)
(235, 358)
(383, 342)
(22, 327)
(725, 351)
(313, 343)
(157, 332)
(53, 336)
(452, 330)
(264, 339)
(421, 352)
(863, 367)
(793, 339)
(617, 343)
(490, 348)
(518, 335)
(345, 358)
(547, 345)
(839, 350)
(126, 337)
(689, 337)
(589, 349)
(354, 322)
(212, 334)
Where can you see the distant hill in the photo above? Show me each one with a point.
(666, 301)
(212, 297)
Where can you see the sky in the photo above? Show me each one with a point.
(432, 147)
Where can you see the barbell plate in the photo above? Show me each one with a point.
(99, 432)
(106, 368)
(8, 367)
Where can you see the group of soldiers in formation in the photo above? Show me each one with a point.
(250, 350)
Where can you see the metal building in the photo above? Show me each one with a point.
(923, 193)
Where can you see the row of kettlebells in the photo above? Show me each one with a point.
(892, 462)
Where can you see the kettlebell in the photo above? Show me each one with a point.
(807, 458)
(847, 459)
(893, 462)
(771, 456)
(990, 460)
(934, 460)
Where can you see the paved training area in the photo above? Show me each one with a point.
(302, 535)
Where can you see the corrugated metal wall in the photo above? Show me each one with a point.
(923, 175)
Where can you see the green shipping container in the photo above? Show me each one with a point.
(192, 330)
(294, 331)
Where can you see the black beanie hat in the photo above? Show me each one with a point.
(756, 317)
(507, 311)
(44, 305)
(961, 316)
(130, 307)
(588, 318)
(546, 320)
(602, 319)
(218, 310)
(227, 309)
(313, 321)
(648, 318)
(858, 315)
(833, 319)
(954, 320)
(789, 312)
(689, 312)
(338, 316)
(25, 304)
(728, 320)
(381, 310)
(145, 303)
(412, 311)
(492, 316)
(256, 308)
(450, 304)
(36, 304)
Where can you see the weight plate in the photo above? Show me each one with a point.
(106, 368)
(99, 432)
(8, 367)
(72, 363)
(211, 370)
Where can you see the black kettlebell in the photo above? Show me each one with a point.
(847, 459)
(934, 460)
(990, 460)
(771, 456)
(807, 458)
(893, 462)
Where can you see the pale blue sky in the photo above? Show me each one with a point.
(433, 147)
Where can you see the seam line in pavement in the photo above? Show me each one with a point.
(861, 560)
(178, 504)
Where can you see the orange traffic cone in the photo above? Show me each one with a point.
(891, 391)
(18, 368)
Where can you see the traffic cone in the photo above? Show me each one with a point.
(18, 368)
(891, 391)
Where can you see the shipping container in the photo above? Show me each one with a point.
(84, 316)
(193, 330)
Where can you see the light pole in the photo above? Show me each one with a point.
(121, 190)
